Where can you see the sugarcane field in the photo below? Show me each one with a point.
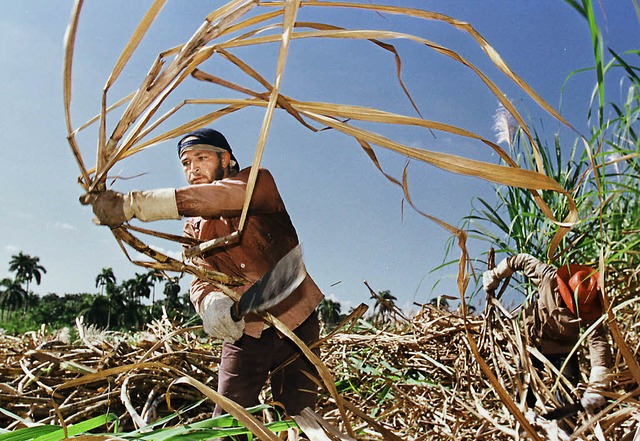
(320, 220)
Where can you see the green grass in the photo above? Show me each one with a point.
(221, 426)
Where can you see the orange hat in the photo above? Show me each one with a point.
(580, 282)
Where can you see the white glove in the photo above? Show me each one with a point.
(531, 416)
(113, 209)
(216, 317)
(592, 399)
(491, 278)
(151, 205)
(549, 428)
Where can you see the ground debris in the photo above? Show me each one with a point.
(414, 378)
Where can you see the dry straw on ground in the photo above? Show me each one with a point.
(397, 380)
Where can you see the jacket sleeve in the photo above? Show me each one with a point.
(534, 269)
(599, 349)
(226, 197)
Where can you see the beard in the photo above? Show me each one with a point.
(219, 173)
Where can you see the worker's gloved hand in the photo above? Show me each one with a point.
(491, 278)
(592, 399)
(548, 428)
(532, 417)
(216, 317)
(113, 209)
(108, 208)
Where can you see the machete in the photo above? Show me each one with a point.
(564, 411)
(273, 287)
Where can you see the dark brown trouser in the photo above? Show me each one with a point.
(247, 363)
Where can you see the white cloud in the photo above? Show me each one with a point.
(173, 254)
(21, 214)
(11, 249)
(63, 226)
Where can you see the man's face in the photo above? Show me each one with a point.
(204, 166)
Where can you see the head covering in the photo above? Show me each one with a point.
(579, 283)
(207, 139)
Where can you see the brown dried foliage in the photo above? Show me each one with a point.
(401, 379)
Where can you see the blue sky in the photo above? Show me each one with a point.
(351, 220)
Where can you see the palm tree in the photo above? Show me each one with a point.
(154, 276)
(110, 303)
(141, 286)
(99, 312)
(31, 301)
(329, 312)
(385, 305)
(12, 296)
(172, 296)
(27, 268)
(106, 277)
(134, 289)
(117, 302)
(440, 302)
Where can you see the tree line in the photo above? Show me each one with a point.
(120, 306)
(117, 305)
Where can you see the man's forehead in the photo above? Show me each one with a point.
(201, 150)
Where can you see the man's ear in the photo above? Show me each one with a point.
(225, 159)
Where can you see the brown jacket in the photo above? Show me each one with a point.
(214, 211)
(555, 328)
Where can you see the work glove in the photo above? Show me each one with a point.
(491, 278)
(113, 209)
(549, 428)
(592, 399)
(216, 317)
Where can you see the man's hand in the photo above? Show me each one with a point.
(113, 209)
(548, 428)
(592, 399)
(216, 318)
(491, 278)
(109, 207)
(490, 281)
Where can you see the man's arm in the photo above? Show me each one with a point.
(220, 198)
(599, 348)
(601, 362)
(113, 209)
(226, 197)
(534, 269)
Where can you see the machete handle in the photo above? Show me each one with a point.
(565, 411)
(491, 264)
(235, 312)
(491, 259)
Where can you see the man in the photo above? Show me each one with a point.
(568, 302)
(213, 204)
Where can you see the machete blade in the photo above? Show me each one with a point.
(272, 288)
(564, 411)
